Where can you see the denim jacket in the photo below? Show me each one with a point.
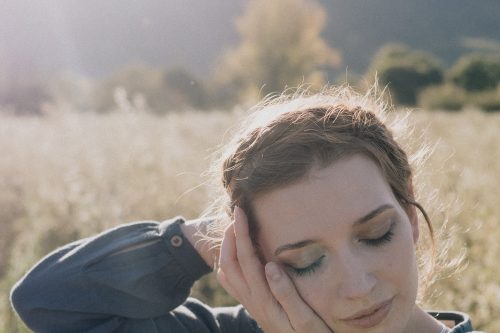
(133, 278)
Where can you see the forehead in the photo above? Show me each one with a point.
(327, 199)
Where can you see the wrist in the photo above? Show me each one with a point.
(193, 231)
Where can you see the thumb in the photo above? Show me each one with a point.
(301, 316)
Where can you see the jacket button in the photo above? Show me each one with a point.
(176, 241)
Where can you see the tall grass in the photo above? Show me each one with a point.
(69, 175)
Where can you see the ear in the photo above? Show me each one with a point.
(411, 211)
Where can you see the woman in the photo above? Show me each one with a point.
(319, 235)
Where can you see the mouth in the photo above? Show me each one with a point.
(371, 316)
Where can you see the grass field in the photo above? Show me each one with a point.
(64, 177)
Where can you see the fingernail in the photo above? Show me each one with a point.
(273, 271)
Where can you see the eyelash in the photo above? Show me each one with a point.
(386, 238)
(307, 270)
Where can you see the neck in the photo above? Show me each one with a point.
(421, 321)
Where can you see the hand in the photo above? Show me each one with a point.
(194, 230)
(268, 294)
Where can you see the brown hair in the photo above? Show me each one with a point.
(287, 136)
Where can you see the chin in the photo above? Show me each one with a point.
(393, 318)
(397, 320)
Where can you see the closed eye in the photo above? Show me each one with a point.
(303, 271)
(385, 238)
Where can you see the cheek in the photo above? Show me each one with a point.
(314, 290)
(398, 266)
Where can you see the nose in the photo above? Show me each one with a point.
(354, 277)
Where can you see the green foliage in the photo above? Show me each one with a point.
(184, 89)
(406, 72)
(280, 46)
(152, 89)
(487, 100)
(451, 97)
(443, 97)
(471, 82)
(137, 80)
(476, 72)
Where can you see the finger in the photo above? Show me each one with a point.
(221, 277)
(252, 268)
(302, 318)
(228, 263)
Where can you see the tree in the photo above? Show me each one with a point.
(71, 89)
(405, 71)
(135, 80)
(280, 46)
(476, 72)
(24, 95)
(22, 91)
(184, 89)
(161, 90)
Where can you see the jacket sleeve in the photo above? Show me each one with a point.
(133, 278)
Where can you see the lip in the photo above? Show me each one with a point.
(371, 316)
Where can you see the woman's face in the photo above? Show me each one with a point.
(347, 244)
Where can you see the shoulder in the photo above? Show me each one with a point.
(458, 322)
(227, 319)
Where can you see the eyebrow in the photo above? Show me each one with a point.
(293, 246)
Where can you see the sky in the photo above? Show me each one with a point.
(95, 36)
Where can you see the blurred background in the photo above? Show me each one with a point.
(110, 110)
